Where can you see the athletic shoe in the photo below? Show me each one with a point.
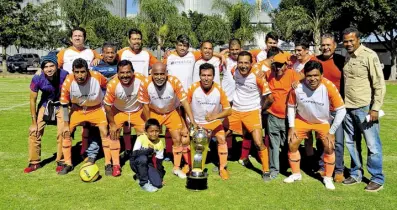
(31, 168)
(108, 170)
(90, 160)
(293, 178)
(246, 163)
(373, 187)
(350, 181)
(328, 183)
(179, 173)
(339, 178)
(60, 166)
(186, 169)
(266, 177)
(224, 174)
(116, 171)
(66, 170)
(149, 187)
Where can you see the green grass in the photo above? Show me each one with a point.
(44, 189)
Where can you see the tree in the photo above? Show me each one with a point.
(379, 18)
(295, 19)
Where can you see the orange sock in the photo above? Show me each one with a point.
(67, 150)
(294, 159)
(329, 164)
(115, 151)
(222, 152)
(106, 150)
(264, 156)
(186, 154)
(177, 152)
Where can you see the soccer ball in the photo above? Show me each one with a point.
(89, 172)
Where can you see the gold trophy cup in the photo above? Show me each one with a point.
(197, 178)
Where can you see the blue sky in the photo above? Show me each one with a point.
(131, 9)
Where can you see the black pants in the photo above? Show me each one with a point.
(145, 171)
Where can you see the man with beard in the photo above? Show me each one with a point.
(207, 56)
(309, 108)
(122, 106)
(84, 91)
(141, 59)
(77, 50)
(210, 105)
(246, 108)
(160, 94)
(49, 82)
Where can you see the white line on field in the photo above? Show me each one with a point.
(12, 107)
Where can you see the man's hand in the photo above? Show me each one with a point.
(95, 62)
(295, 84)
(373, 116)
(113, 131)
(261, 74)
(292, 137)
(209, 117)
(33, 129)
(184, 131)
(330, 140)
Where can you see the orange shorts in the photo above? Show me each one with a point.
(303, 129)
(250, 120)
(216, 127)
(96, 117)
(134, 118)
(172, 120)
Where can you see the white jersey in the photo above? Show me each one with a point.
(261, 56)
(228, 83)
(216, 62)
(182, 67)
(68, 55)
(124, 98)
(141, 61)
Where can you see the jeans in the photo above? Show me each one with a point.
(339, 149)
(355, 124)
(145, 171)
(93, 145)
(278, 137)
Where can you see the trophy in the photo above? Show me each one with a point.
(197, 178)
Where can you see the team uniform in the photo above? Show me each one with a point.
(86, 106)
(298, 66)
(216, 62)
(106, 69)
(313, 114)
(141, 61)
(68, 55)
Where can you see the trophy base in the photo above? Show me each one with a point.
(197, 181)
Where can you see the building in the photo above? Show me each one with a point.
(200, 6)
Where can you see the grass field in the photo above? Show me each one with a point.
(44, 189)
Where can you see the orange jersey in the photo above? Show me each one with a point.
(66, 57)
(141, 61)
(249, 90)
(280, 89)
(87, 95)
(314, 106)
(124, 98)
(162, 101)
(331, 71)
(262, 65)
(203, 103)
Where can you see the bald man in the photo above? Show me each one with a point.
(159, 94)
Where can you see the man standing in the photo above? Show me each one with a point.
(84, 91)
(49, 82)
(207, 56)
(108, 65)
(364, 93)
(160, 94)
(302, 54)
(246, 108)
(309, 108)
(333, 68)
(141, 59)
(271, 40)
(77, 50)
(210, 105)
(122, 106)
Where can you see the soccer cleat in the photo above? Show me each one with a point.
(179, 173)
(66, 169)
(108, 170)
(266, 177)
(149, 187)
(186, 169)
(246, 163)
(293, 178)
(350, 181)
(339, 178)
(60, 166)
(116, 171)
(328, 183)
(373, 187)
(31, 168)
(224, 174)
